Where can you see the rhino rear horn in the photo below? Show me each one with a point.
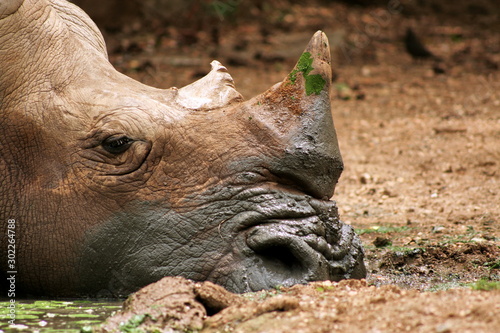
(213, 91)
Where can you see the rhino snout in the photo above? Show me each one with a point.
(286, 238)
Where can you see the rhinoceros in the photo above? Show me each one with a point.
(108, 185)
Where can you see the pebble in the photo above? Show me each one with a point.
(478, 240)
(443, 328)
(438, 229)
(365, 178)
(382, 242)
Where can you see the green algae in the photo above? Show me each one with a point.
(314, 83)
(55, 315)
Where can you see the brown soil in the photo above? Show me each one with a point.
(421, 146)
(175, 304)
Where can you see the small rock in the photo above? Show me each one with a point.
(366, 71)
(438, 229)
(443, 328)
(382, 242)
(388, 193)
(365, 178)
(423, 270)
(478, 240)
(439, 68)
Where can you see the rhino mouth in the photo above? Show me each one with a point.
(292, 238)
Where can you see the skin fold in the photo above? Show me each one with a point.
(114, 184)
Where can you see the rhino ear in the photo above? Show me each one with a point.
(213, 91)
(8, 7)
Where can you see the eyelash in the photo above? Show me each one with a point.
(117, 145)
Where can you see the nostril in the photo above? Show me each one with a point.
(280, 259)
(280, 256)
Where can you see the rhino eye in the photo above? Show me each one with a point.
(117, 144)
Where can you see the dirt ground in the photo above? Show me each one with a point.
(174, 304)
(420, 140)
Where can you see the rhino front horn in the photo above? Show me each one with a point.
(298, 112)
(306, 89)
(310, 77)
(312, 73)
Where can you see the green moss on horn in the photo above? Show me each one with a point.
(314, 83)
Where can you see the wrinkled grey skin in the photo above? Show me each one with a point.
(266, 238)
(114, 184)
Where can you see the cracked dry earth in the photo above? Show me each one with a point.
(421, 183)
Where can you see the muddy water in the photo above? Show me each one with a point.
(71, 316)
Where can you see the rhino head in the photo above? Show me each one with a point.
(114, 184)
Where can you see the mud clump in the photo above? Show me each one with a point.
(175, 304)
(169, 303)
